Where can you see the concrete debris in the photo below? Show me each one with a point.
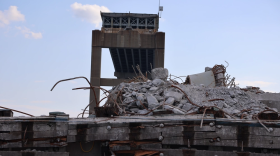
(208, 69)
(152, 101)
(159, 73)
(158, 82)
(253, 89)
(176, 95)
(142, 98)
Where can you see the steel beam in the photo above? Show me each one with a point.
(119, 59)
(133, 57)
(139, 51)
(147, 61)
(113, 59)
(126, 60)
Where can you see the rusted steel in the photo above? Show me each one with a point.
(143, 105)
(219, 113)
(263, 124)
(88, 106)
(17, 111)
(78, 78)
(104, 90)
(216, 68)
(185, 95)
(216, 100)
(268, 115)
(203, 117)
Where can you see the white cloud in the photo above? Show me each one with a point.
(89, 13)
(10, 15)
(29, 34)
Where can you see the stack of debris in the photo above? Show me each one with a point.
(253, 89)
(161, 95)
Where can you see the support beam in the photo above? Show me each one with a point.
(147, 61)
(159, 58)
(119, 59)
(113, 59)
(126, 60)
(140, 58)
(95, 76)
(132, 53)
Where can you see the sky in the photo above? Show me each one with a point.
(42, 42)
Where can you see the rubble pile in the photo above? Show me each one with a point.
(253, 90)
(144, 98)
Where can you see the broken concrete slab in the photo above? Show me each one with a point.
(159, 73)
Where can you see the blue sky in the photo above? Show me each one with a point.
(42, 42)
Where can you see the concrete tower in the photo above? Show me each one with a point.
(133, 39)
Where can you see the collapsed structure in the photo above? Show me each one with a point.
(149, 112)
(159, 95)
(157, 116)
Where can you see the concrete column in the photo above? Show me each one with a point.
(159, 50)
(159, 58)
(95, 76)
(95, 68)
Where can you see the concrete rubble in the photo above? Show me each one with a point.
(139, 98)
(157, 116)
